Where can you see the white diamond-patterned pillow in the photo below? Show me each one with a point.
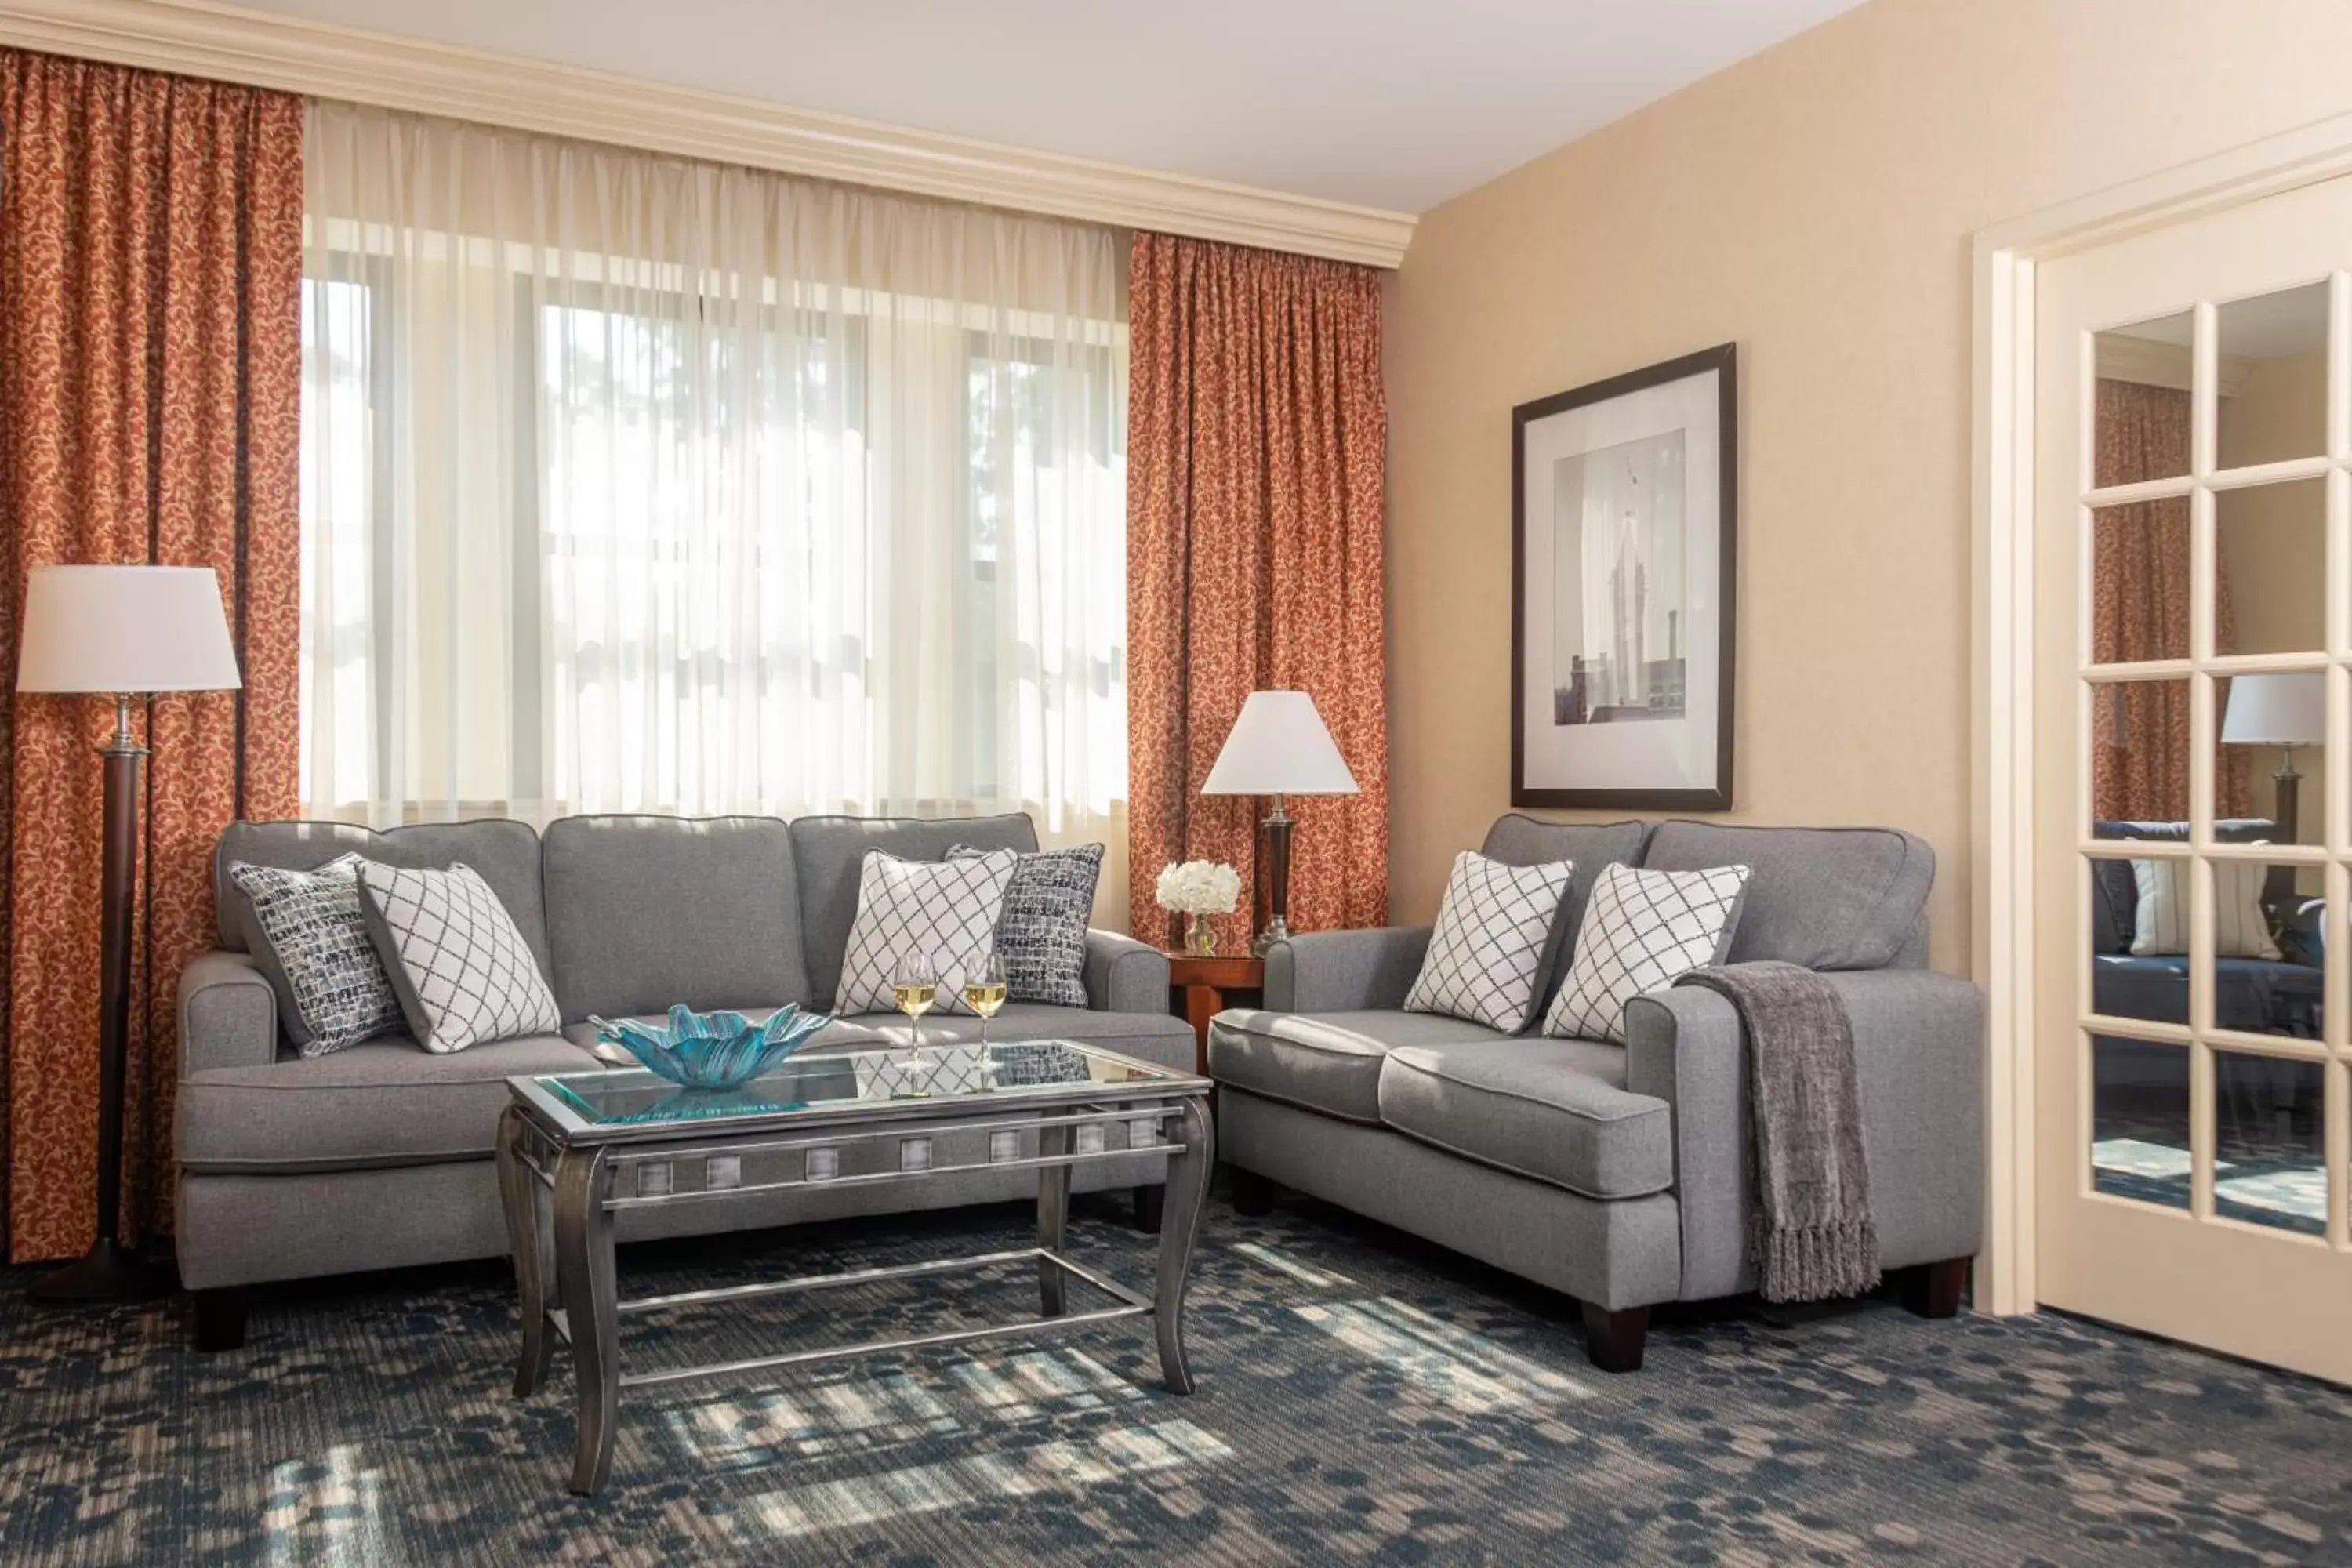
(1642, 930)
(1488, 948)
(464, 972)
(945, 908)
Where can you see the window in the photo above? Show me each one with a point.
(633, 484)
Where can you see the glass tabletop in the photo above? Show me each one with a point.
(837, 1081)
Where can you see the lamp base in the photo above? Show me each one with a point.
(108, 1271)
(1276, 930)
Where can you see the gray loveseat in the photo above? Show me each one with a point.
(381, 1155)
(1618, 1174)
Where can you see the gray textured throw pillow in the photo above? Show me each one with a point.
(306, 936)
(1042, 935)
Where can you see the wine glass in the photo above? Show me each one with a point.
(915, 985)
(984, 989)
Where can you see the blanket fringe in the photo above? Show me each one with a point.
(1814, 1263)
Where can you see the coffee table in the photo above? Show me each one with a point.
(576, 1149)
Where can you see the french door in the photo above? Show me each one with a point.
(2193, 686)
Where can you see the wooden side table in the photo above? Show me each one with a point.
(1208, 985)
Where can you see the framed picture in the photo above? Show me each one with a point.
(1625, 524)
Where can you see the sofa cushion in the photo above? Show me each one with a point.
(1329, 1062)
(829, 852)
(1147, 1036)
(645, 911)
(1591, 847)
(504, 853)
(1556, 1111)
(384, 1101)
(1827, 898)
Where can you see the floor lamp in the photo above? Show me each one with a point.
(118, 631)
(1278, 746)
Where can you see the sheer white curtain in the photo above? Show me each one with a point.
(632, 483)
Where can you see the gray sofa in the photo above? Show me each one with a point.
(1618, 1174)
(380, 1155)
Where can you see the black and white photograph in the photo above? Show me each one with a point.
(1624, 523)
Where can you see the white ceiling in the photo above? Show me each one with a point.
(1387, 103)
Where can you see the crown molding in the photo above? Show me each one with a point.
(196, 39)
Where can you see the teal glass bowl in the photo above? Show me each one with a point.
(712, 1050)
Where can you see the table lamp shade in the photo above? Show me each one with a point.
(1279, 746)
(2283, 710)
(125, 629)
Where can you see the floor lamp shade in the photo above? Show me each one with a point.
(120, 631)
(2285, 709)
(1278, 746)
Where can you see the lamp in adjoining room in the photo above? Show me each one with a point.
(2285, 710)
(122, 632)
(1278, 747)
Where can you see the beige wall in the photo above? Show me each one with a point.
(1815, 205)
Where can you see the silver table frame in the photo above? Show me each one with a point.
(557, 1178)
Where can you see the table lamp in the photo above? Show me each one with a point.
(120, 631)
(1278, 747)
(2285, 710)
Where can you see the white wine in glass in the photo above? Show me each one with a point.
(915, 985)
(983, 991)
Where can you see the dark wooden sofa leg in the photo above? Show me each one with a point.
(1934, 1289)
(1149, 1204)
(219, 1318)
(1614, 1339)
(1252, 1193)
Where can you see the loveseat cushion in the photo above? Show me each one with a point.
(1826, 897)
(645, 911)
(829, 854)
(1329, 1062)
(504, 853)
(384, 1101)
(1556, 1111)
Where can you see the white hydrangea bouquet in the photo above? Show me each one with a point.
(1197, 890)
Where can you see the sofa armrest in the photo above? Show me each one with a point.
(1344, 971)
(1124, 976)
(1918, 1043)
(228, 1014)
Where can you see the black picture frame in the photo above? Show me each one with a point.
(1722, 360)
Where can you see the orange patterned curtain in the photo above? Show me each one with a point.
(2139, 610)
(150, 242)
(1256, 437)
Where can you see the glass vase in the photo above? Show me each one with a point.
(1199, 937)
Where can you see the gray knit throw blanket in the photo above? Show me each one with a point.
(1811, 1235)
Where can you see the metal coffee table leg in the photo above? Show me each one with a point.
(583, 1261)
(527, 1244)
(1188, 1188)
(1052, 1214)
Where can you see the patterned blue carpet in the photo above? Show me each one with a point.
(1363, 1398)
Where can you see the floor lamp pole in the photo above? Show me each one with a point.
(108, 1271)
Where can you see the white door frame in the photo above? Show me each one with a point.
(2001, 865)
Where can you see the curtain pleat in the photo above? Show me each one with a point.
(2140, 597)
(149, 277)
(1258, 434)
